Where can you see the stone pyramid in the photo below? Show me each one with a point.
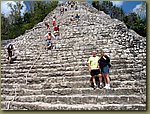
(58, 79)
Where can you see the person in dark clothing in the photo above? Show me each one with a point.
(10, 50)
(77, 17)
(47, 25)
(62, 10)
(104, 64)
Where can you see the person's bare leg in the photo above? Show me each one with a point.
(94, 82)
(100, 78)
(107, 86)
(107, 79)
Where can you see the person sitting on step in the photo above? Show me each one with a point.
(76, 7)
(72, 18)
(77, 18)
(104, 64)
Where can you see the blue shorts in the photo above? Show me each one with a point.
(105, 70)
(48, 42)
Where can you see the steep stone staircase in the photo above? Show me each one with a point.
(58, 79)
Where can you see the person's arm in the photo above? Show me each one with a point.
(45, 35)
(99, 63)
(89, 67)
(107, 59)
(53, 35)
(13, 50)
(89, 64)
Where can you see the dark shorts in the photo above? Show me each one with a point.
(95, 72)
(105, 70)
(10, 53)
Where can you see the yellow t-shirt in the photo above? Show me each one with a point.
(93, 61)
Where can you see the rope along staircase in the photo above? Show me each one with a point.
(58, 79)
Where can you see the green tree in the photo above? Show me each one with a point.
(15, 24)
(107, 7)
(96, 4)
(4, 27)
(117, 13)
(133, 21)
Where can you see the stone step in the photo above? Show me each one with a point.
(71, 91)
(47, 106)
(48, 84)
(71, 66)
(70, 70)
(65, 67)
(41, 67)
(62, 57)
(51, 72)
(13, 78)
(79, 99)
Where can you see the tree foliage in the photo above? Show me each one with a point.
(15, 24)
(132, 20)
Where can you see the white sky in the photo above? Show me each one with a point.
(136, 10)
(5, 9)
(117, 3)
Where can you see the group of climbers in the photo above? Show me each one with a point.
(72, 5)
(55, 34)
(68, 5)
(74, 19)
(51, 35)
(99, 66)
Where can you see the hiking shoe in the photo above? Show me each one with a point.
(95, 86)
(100, 86)
(107, 87)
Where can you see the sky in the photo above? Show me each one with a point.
(5, 9)
(127, 6)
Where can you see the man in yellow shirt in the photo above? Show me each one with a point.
(94, 68)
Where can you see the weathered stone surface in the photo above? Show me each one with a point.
(58, 79)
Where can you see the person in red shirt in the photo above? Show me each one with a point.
(56, 30)
(54, 21)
